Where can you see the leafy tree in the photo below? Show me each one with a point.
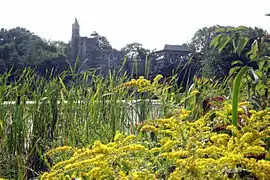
(136, 50)
(202, 53)
(60, 46)
(202, 39)
(139, 59)
(255, 47)
(103, 43)
(217, 62)
(20, 48)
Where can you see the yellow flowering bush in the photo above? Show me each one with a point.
(175, 148)
(141, 85)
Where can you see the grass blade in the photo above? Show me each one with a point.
(236, 91)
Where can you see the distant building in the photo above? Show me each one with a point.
(88, 53)
(171, 54)
(91, 56)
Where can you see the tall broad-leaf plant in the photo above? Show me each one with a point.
(254, 73)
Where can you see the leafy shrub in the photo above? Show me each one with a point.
(175, 148)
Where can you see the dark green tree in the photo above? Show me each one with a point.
(103, 42)
(136, 50)
(215, 62)
(20, 48)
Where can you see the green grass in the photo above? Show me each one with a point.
(74, 114)
(90, 107)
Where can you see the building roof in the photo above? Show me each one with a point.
(168, 47)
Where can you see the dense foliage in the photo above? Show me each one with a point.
(103, 43)
(20, 48)
(210, 126)
(214, 62)
(220, 140)
(38, 115)
(174, 148)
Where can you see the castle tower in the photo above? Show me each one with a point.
(75, 41)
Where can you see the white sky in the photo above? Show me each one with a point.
(150, 22)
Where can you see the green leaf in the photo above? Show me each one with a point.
(236, 91)
(259, 73)
(234, 69)
(123, 64)
(260, 86)
(231, 29)
(215, 41)
(234, 46)
(237, 62)
(223, 42)
(242, 42)
(220, 30)
(254, 51)
(261, 64)
(241, 28)
(62, 96)
(63, 84)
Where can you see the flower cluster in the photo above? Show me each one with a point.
(141, 84)
(174, 148)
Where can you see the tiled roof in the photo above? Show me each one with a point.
(174, 48)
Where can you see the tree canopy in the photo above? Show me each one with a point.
(103, 42)
(213, 61)
(20, 48)
(135, 50)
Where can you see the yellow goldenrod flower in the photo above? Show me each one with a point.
(58, 150)
(168, 145)
(118, 136)
(149, 128)
(181, 149)
(134, 148)
(220, 139)
(194, 92)
(254, 151)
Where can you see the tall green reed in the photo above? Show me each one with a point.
(43, 113)
(39, 113)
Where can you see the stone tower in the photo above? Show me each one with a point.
(75, 41)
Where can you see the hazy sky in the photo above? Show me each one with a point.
(150, 22)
